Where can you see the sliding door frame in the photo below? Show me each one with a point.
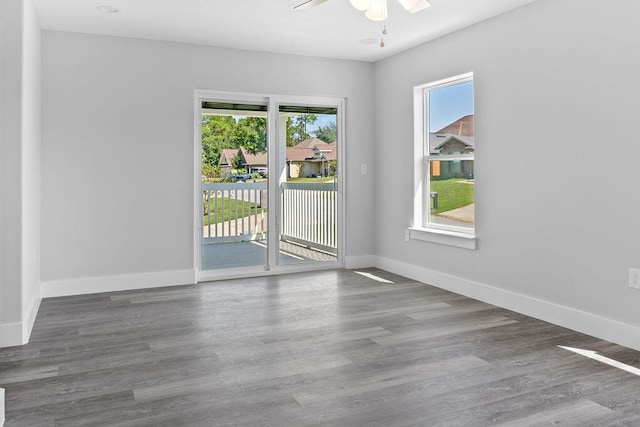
(275, 159)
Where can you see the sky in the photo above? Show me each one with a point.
(324, 120)
(448, 104)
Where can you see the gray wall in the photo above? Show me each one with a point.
(31, 159)
(118, 145)
(557, 211)
(19, 168)
(10, 141)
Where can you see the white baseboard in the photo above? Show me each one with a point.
(30, 317)
(571, 318)
(1, 407)
(12, 334)
(124, 282)
(361, 261)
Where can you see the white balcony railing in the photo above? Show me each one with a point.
(236, 212)
(309, 215)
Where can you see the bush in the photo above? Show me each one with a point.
(210, 172)
(333, 167)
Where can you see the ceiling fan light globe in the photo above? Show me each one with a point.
(377, 11)
(360, 4)
(420, 5)
(376, 16)
(408, 4)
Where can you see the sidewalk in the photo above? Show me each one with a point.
(465, 213)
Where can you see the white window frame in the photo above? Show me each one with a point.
(422, 228)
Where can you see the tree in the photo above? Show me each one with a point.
(251, 133)
(238, 162)
(289, 132)
(327, 133)
(215, 136)
(297, 127)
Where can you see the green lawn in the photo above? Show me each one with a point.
(325, 179)
(452, 193)
(226, 208)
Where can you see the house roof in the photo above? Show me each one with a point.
(228, 154)
(324, 148)
(314, 142)
(461, 127)
(257, 159)
(331, 155)
(437, 140)
(294, 154)
(298, 154)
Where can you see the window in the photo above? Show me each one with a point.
(444, 204)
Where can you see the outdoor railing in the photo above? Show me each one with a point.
(234, 212)
(309, 214)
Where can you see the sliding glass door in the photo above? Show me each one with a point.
(308, 187)
(234, 169)
(269, 192)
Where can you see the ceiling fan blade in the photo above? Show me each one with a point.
(309, 4)
(421, 5)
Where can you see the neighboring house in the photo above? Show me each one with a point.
(226, 160)
(310, 143)
(456, 138)
(299, 162)
(309, 158)
(253, 162)
(330, 151)
(461, 127)
(445, 143)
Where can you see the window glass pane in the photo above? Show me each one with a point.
(451, 193)
(451, 135)
(234, 185)
(448, 105)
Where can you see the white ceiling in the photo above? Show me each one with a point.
(333, 29)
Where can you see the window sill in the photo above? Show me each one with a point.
(443, 237)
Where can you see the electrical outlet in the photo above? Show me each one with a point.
(406, 235)
(634, 278)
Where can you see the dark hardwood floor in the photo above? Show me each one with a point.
(330, 348)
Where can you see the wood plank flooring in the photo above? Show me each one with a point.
(330, 348)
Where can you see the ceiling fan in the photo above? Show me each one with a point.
(376, 10)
